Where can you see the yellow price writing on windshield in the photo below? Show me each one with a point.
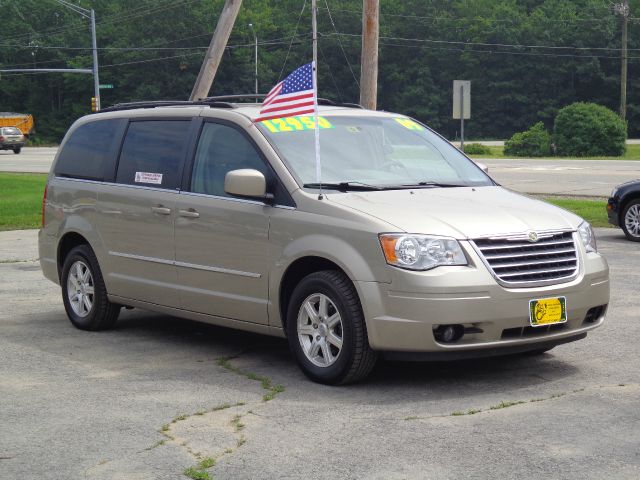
(295, 124)
(409, 124)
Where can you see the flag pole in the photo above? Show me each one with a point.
(314, 68)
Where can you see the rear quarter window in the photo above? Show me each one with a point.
(153, 153)
(90, 152)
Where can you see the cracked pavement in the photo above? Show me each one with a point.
(93, 405)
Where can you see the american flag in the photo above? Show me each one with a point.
(292, 96)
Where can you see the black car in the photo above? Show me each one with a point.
(623, 209)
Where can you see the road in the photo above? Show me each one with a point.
(142, 400)
(561, 177)
(30, 160)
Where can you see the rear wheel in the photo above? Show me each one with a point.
(631, 221)
(17, 150)
(326, 329)
(84, 293)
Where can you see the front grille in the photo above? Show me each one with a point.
(517, 261)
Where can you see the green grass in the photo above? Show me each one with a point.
(593, 211)
(633, 153)
(21, 200)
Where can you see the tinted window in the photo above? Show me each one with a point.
(153, 152)
(220, 150)
(91, 150)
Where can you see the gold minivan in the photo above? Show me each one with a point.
(406, 249)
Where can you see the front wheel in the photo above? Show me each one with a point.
(326, 329)
(84, 293)
(631, 221)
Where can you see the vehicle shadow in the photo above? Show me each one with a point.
(390, 382)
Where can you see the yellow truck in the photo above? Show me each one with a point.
(23, 121)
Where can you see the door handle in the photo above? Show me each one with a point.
(161, 209)
(190, 213)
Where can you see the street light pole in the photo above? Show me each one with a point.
(255, 38)
(91, 15)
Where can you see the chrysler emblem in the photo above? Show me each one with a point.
(533, 236)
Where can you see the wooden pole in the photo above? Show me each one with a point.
(216, 49)
(369, 57)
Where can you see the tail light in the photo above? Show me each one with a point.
(1, 138)
(44, 203)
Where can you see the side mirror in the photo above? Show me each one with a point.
(247, 183)
(483, 167)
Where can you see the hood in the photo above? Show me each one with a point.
(462, 213)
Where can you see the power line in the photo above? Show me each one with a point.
(344, 54)
(135, 13)
(479, 19)
(483, 44)
(295, 31)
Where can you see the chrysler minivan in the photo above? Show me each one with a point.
(405, 247)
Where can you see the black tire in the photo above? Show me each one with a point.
(103, 314)
(623, 223)
(356, 359)
(17, 150)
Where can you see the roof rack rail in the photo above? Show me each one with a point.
(255, 96)
(166, 103)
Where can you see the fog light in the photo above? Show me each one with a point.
(448, 333)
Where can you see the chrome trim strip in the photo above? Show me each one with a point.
(217, 269)
(182, 192)
(143, 258)
(186, 265)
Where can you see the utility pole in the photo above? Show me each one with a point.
(216, 49)
(369, 56)
(255, 38)
(96, 79)
(622, 9)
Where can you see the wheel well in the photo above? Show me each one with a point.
(296, 272)
(68, 242)
(630, 198)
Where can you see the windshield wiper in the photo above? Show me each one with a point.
(344, 186)
(435, 184)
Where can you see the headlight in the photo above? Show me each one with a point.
(588, 237)
(421, 252)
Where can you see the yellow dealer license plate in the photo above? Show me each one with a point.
(547, 311)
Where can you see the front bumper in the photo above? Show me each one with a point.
(612, 212)
(11, 146)
(401, 315)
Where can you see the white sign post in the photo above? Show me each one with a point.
(462, 105)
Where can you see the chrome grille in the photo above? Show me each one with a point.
(515, 260)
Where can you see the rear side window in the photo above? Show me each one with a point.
(153, 153)
(90, 153)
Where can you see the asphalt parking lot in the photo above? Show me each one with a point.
(141, 401)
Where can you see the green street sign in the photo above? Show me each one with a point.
(107, 85)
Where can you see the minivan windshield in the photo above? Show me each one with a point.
(370, 153)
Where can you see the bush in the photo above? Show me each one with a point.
(477, 149)
(587, 130)
(535, 142)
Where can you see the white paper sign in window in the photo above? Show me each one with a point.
(147, 177)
